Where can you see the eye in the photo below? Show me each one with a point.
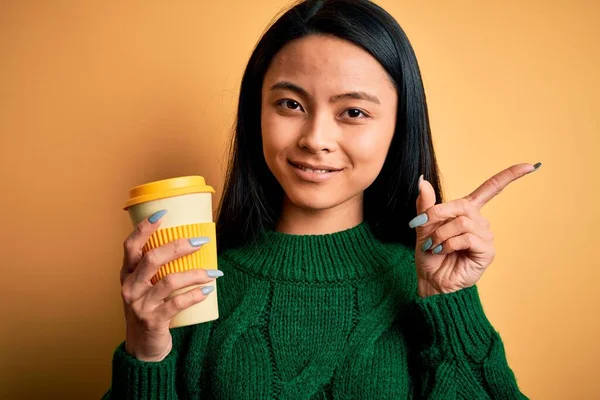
(355, 113)
(290, 104)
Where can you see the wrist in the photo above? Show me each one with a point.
(152, 358)
(427, 289)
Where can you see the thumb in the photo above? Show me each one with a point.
(426, 198)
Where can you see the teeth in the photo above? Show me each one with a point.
(318, 171)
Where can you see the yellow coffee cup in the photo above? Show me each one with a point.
(188, 200)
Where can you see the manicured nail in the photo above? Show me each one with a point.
(214, 273)
(420, 181)
(206, 290)
(536, 166)
(199, 241)
(427, 244)
(419, 220)
(438, 249)
(156, 216)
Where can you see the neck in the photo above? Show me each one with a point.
(296, 220)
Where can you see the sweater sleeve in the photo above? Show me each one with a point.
(141, 380)
(457, 352)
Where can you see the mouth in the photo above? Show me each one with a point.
(316, 169)
(313, 173)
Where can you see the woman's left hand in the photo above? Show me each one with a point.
(454, 242)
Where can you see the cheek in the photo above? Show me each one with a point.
(277, 136)
(369, 149)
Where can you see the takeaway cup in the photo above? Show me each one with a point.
(188, 200)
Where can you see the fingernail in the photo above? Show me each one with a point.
(438, 249)
(536, 166)
(419, 220)
(206, 290)
(427, 244)
(214, 273)
(420, 181)
(156, 216)
(199, 241)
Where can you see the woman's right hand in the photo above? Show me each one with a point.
(147, 314)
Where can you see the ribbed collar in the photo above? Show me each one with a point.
(348, 255)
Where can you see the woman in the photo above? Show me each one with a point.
(334, 286)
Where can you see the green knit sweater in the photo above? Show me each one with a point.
(326, 317)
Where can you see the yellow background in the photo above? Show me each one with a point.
(96, 97)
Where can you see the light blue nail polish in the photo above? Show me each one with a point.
(419, 220)
(214, 273)
(199, 241)
(438, 249)
(206, 290)
(156, 216)
(427, 244)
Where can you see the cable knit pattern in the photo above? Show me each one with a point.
(319, 317)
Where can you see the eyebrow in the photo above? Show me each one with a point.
(358, 95)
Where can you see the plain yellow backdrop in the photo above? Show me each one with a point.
(99, 96)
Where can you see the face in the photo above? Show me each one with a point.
(328, 115)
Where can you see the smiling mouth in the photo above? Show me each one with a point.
(313, 170)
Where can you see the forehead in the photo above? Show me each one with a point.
(327, 60)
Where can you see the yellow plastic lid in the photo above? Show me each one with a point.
(167, 188)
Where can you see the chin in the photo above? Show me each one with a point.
(316, 199)
(313, 199)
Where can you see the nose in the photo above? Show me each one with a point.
(319, 135)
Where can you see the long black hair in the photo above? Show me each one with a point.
(252, 197)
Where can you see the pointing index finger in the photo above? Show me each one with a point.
(494, 185)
